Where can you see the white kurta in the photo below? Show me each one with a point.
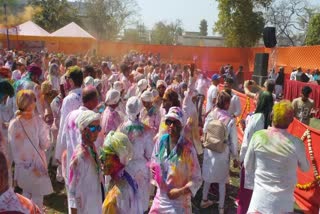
(141, 137)
(71, 102)
(273, 157)
(255, 123)
(84, 183)
(215, 168)
(211, 94)
(235, 105)
(70, 138)
(121, 197)
(31, 170)
(11, 202)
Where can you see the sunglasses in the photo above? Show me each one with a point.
(174, 122)
(93, 128)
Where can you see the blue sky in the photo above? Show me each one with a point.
(191, 12)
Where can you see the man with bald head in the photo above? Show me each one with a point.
(11, 202)
(70, 133)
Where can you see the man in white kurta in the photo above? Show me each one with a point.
(71, 102)
(235, 105)
(212, 92)
(273, 157)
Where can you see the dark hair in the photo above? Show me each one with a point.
(172, 96)
(3, 167)
(6, 88)
(229, 80)
(124, 68)
(306, 91)
(89, 93)
(90, 70)
(270, 85)
(222, 99)
(77, 76)
(68, 63)
(264, 106)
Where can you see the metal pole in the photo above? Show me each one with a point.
(6, 21)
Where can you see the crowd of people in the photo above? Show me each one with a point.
(124, 132)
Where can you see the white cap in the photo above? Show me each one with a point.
(88, 81)
(85, 118)
(133, 107)
(118, 86)
(161, 82)
(112, 97)
(147, 96)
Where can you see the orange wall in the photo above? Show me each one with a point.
(209, 58)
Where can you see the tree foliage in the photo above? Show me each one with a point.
(240, 22)
(203, 27)
(313, 33)
(107, 18)
(138, 34)
(54, 14)
(291, 18)
(166, 34)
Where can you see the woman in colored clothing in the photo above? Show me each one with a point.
(85, 179)
(111, 118)
(28, 138)
(259, 120)
(6, 90)
(11, 202)
(175, 168)
(216, 165)
(122, 195)
(272, 158)
(140, 136)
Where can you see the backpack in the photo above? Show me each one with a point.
(216, 136)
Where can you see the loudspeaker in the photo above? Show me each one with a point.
(260, 72)
(261, 64)
(269, 37)
(302, 77)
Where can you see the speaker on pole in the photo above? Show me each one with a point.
(260, 72)
(269, 37)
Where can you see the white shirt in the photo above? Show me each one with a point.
(212, 94)
(273, 157)
(202, 84)
(71, 137)
(293, 75)
(71, 102)
(255, 123)
(235, 105)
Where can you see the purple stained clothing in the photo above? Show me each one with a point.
(244, 195)
(110, 120)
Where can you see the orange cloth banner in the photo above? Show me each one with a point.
(308, 201)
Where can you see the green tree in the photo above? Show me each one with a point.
(291, 18)
(54, 14)
(166, 34)
(239, 22)
(107, 18)
(203, 27)
(313, 31)
(138, 34)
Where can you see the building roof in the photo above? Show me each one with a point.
(72, 30)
